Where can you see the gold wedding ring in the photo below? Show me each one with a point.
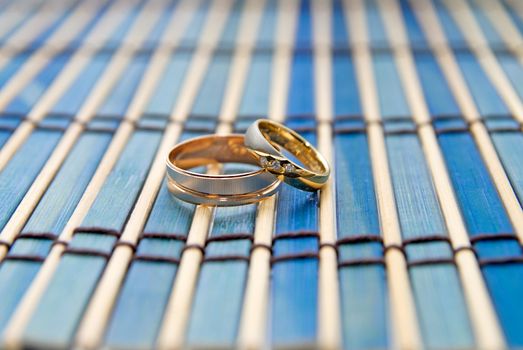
(214, 188)
(267, 139)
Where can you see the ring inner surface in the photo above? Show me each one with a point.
(213, 151)
(281, 138)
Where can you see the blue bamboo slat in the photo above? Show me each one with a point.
(115, 105)
(301, 90)
(113, 42)
(416, 35)
(294, 292)
(294, 289)
(418, 208)
(487, 99)
(41, 39)
(154, 38)
(255, 100)
(7, 125)
(109, 211)
(57, 204)
(169, 86)
(304, 29)
(473, 185)
(255, 96)
(93, 22)
(508, 140)
(192, 34)
(340, 35)
(22, 169)
(509, 146)
(28, 14)
(375, 27)
(346, 95)
(454, 36)
(438, 96)
(434, 285)
(363, 288)
(140, 307)
(391, 95)
(228, 36)
(116, 199)
(210, 96)
(16, 275)
(489, 32)
(516, 19)
(132, 325)
(484, 215)
(49, 217)
(357, 211)
(218, 298)
(12, 66)
(73, 98)
(267, 27)
(513, 71)
(32, 92)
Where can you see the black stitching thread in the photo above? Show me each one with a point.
(226, 258)
(361, 261)
(60, 242)
(501, 260)
(329, 245)
(359, 239)
(193, 246)
(97, 230)
(426, 239)
(492, 237)
(261, 246)
(431, 261)
(125, 244)
(156, 258)
(297, 256)
(229, 237)
(87, 252)
(164, 235)
(35, 235)
(24, 257)
(297, 235)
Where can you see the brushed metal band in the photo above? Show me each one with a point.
(264, 138)
(213, 188)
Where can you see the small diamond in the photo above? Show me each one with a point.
(289, 168)
(264, 162)
(275, 167)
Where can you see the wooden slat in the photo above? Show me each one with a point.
(68, 30)
(329, 323)
(92, 327)
(173, 331)
(116, 67)
(253, 323)
(404, 319)
(282, 59)
(434, 32)
(139, 31)
(486, 326)
(28, 71)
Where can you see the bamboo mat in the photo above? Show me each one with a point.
(415, 242)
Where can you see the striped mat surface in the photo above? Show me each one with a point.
(414, 243)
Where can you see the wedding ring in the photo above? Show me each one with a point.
(267, 140)
(214, 188)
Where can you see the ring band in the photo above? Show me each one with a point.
(217, 189)
(264, 138)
